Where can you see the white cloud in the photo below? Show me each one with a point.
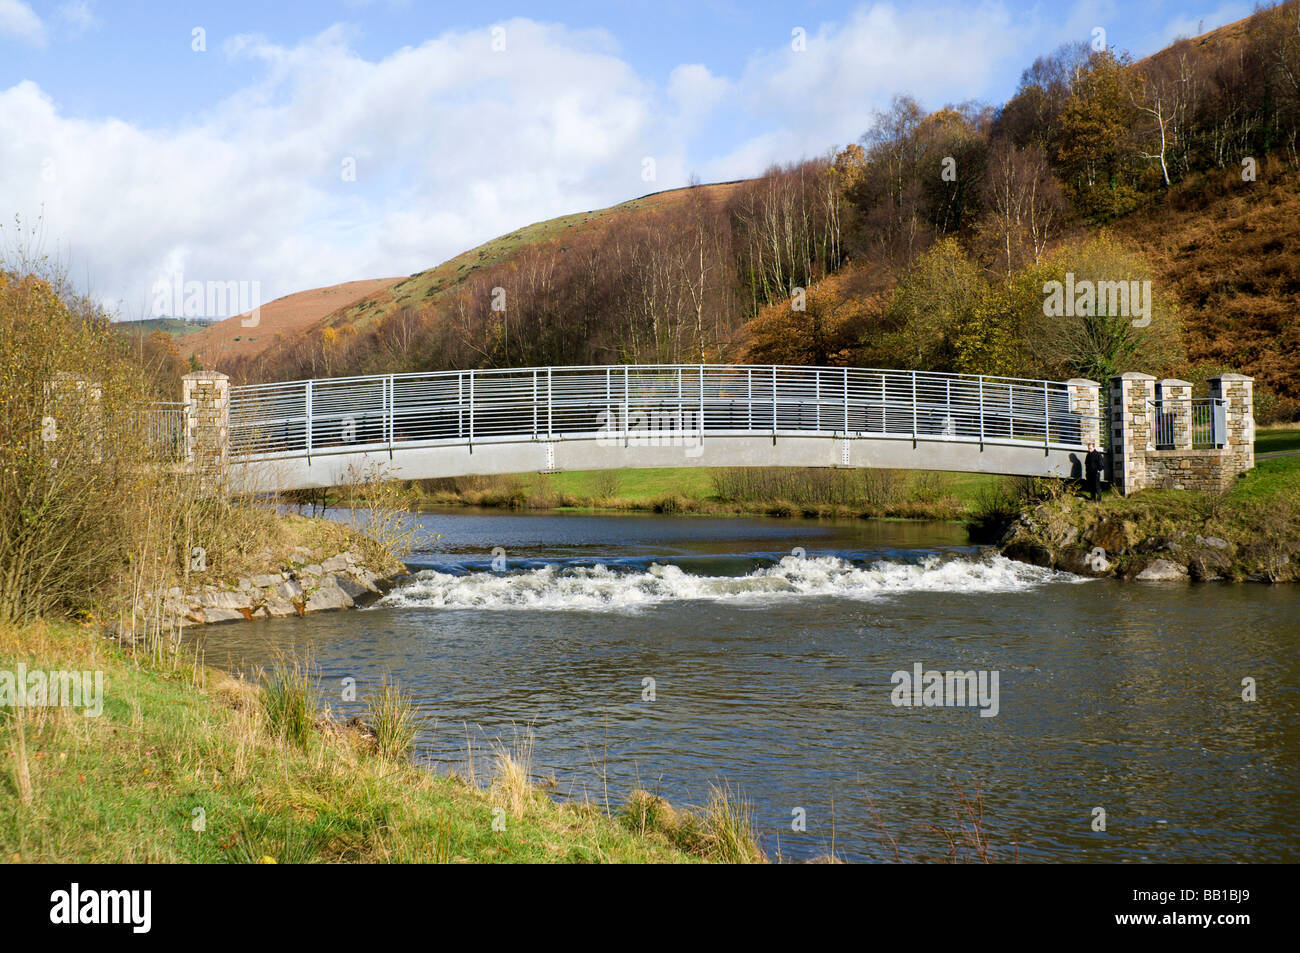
(695, 91)
(78, 15)
(454, 143)
(19, 20)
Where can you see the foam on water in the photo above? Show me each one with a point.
(599, 588)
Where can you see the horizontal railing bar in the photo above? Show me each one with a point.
(462, 407)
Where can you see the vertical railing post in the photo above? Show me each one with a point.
(626, 405)
(550, 406)
(307, 413)
(913, 409)
(701, 403)
(681, 404)
(534, 403)
(949, 421)
(1047, 420)
(774, 403)
(981, 402)
(846, 401)
(460, 405)
(471, 410)
(817, 398)
(609, 394)
(749, 399)
(392, 412)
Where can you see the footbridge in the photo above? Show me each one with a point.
(320, 433)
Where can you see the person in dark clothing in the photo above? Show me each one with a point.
(1092, 465)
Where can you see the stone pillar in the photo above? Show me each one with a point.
(73, 415)
(207, 427)
(1175, 398)
(1131, 433)
(1085, 400)
(1237, 391)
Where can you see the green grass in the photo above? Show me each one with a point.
(1277, 479)
(640, 486)
(183, 767)
(290, 700)
(914, 495)
(1277, 439)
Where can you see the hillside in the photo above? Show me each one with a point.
(357, 305)
(425, 288)
(284, 318)
(176, 327)
(1231, 256)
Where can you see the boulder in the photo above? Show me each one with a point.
(1214, 542)
(266, 580)
(334, 564)
(1206, 564)
(1157, 544)
(329, 596)
(1161, 570)
(1084, 562)
(278, 607)
(1028, 551)
(222, 599)
(356, 589)
(212, 616)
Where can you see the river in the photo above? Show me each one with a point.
(673, 653)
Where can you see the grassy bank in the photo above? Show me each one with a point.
(1278, 439)
(775, 491)
(189, 765)
(1251, 533)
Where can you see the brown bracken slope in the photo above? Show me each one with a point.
(286, 317)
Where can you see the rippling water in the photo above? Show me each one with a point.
(772, 645)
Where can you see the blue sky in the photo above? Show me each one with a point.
(144, 157)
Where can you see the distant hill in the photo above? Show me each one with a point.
(176, 327)
(358, 304)
(425, 287)
(282, 319)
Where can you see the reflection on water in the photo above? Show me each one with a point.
(772, 671)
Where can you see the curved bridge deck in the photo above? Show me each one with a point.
(318, 433)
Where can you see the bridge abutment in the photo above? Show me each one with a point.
(1161, 436)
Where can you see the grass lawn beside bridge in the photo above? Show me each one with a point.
(771, 491)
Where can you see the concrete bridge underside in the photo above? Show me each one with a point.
(340, 466)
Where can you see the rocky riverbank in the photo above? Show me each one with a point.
(1204, 540)
(341, 581)
(273, 565)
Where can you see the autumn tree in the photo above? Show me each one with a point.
(1023, 201)
(1075, 328)
(1096, 152)
(932, 302)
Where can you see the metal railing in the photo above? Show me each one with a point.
(162, 427)
(1203, 423)
(355, 414)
